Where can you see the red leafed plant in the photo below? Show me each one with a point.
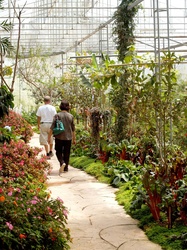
(166, 188)
(19, 125)
(153, 193)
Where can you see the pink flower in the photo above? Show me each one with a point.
(34, 202)
(59, 199)
(1, 190)
(22, 163)
(28, 210)
(50, 210)
(10, 193)
(65, 212)
(9, 225)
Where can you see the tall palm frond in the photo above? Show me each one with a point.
(7, 26)
(5, 45)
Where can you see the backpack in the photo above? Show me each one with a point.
(59, 127)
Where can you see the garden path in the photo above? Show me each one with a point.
(95, 219)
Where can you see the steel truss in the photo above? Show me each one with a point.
(68, 27)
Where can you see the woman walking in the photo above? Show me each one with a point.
(64, 140)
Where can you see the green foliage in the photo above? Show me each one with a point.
(95, 169)
(5, 44)
(124, 26)
(169, 239)
(6, 135)
(84, 144)
(81, 162)
(90, 166)
(124, 195)
(127, 195)
(6, 101)
(30, 117)
(120, 171)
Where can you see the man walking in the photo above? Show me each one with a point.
(45, 114)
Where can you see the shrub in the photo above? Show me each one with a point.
(18, 159)
(19, 125)
(6, 135)
(29, 219)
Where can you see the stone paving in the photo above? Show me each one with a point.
(95, 219)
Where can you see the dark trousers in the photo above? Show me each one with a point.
(63, 148)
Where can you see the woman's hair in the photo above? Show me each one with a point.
(64, 105)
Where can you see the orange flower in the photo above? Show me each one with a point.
(50, 230)
(2, 198)
(22, 236)
(15, 203)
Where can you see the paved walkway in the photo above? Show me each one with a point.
(95, 219)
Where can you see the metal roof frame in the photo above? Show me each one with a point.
(71, 26)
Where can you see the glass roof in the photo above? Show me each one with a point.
(70, 26)
(60, 26)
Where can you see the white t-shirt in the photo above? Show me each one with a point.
(46, 112)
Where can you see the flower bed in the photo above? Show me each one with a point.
(30, 218)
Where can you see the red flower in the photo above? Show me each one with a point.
(22, 236)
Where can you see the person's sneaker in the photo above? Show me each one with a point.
(48, 156)
(61, 170)
(50, 153)
(66, 169)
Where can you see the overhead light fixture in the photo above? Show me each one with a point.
(134, 4)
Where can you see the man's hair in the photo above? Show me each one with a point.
(64, 105)
(47, 98)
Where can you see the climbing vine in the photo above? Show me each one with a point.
(124, 26)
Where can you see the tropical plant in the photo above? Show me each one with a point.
(5, 44)
(6, 101)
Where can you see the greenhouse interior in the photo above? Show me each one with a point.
(72, 29)
(118, 68)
